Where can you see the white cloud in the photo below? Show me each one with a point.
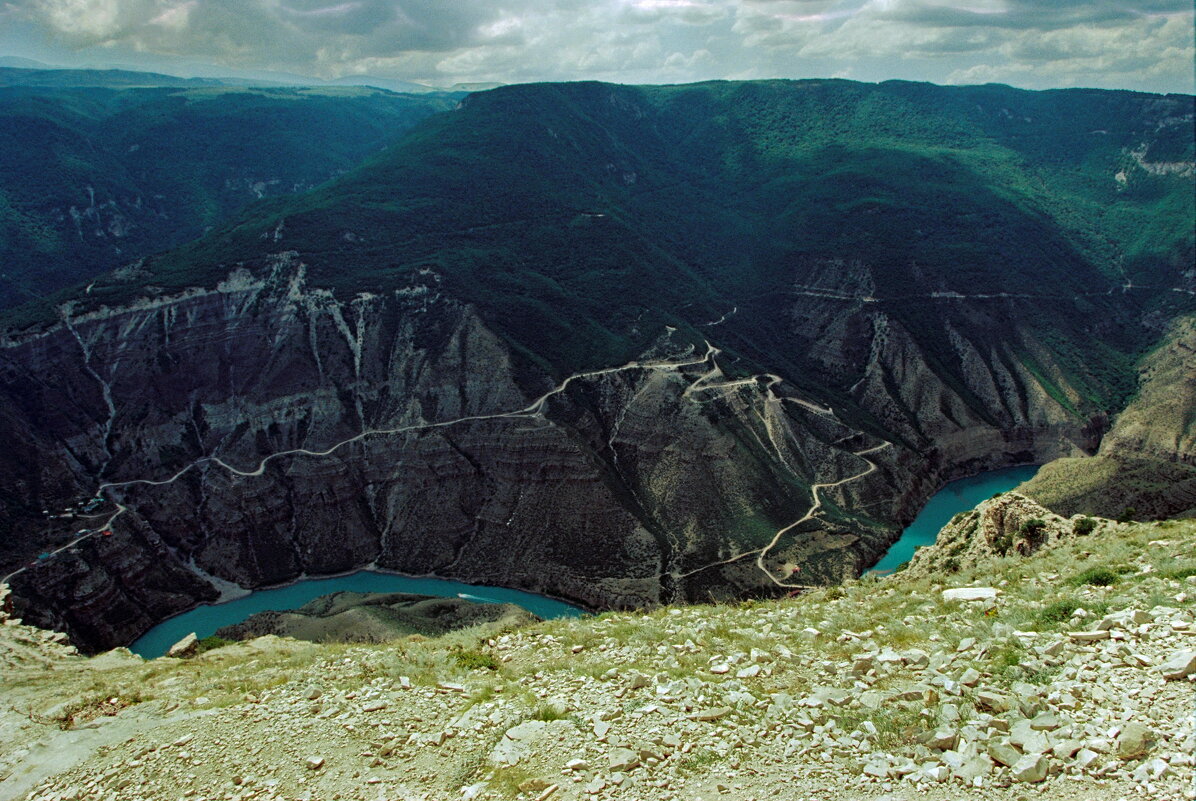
(1145, 44)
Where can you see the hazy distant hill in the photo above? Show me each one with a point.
(94, 177)
(112, 79)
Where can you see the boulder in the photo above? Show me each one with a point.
(185, 648)
(1179, 665)
(1134, 741)
(1030, 768)
(623, 759)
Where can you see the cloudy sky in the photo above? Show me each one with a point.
(1134, 44)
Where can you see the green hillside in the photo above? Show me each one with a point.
(94, 178)
(581, 217)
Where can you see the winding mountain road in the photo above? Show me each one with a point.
(708, 381)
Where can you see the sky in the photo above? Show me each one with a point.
(1124, 44)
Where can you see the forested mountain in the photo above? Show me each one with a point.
(94, 176)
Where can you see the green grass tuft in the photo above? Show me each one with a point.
(1095, 576)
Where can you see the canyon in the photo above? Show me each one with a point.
(263, 431)
(621, 346)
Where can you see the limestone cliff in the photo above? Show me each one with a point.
(266, 429)
(1146, 466)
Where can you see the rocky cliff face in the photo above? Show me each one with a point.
(1146, 466)
(266, 430)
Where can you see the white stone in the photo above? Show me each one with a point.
(185, 647)
(1179, 665)
(623, 759)
(1030, 768)
(970, 594)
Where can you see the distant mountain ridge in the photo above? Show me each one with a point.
(95, 174)
(61, 78)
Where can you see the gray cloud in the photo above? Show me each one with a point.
(1143, 44)
(1032, 14)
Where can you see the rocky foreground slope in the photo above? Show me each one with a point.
(1062, 670)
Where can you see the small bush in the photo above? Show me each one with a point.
(1084, 526)
(475, 660)
(1096, 576)
(1032, 527)
(1128, 515)
(1057, 612)
(211, 644)
(1002, 543)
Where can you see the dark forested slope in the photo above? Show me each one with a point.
(94, 177)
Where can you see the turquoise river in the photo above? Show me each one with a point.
(204, 620)
(957, 496)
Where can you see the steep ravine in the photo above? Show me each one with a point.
(265, 430)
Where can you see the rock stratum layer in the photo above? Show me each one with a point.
(264, 431)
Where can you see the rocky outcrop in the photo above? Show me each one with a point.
(24, 647)
(1146, 466)
(374, 617)
(1009, 524)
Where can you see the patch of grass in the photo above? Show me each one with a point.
(549, 712)
(506, 780)
(90, 707)
(1095, 576)
(1058, 611)
(896, 725)
(1179, 573)
(1061, 611)
(1044, 675)
(1006, 661)
(475, 660)
(698, 761)
(211, 644)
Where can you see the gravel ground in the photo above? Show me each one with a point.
(1042, 687)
